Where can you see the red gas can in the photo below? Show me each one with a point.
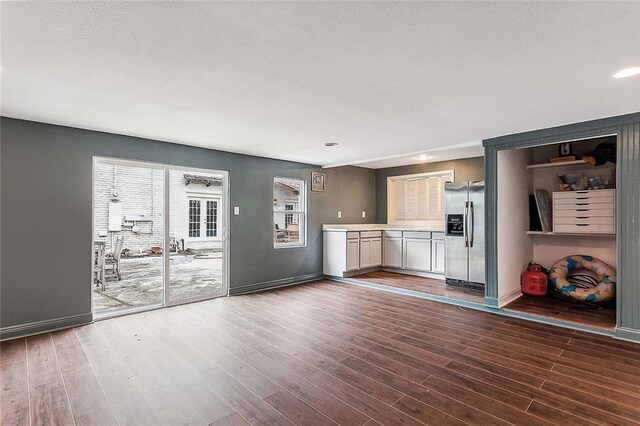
(534, 281)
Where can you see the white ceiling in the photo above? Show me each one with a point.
(384, 80)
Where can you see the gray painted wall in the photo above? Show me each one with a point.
(465, 169)
(46, 243)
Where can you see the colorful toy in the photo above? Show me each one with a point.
(561, 283)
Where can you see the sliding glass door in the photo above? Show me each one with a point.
(128, 235)
(197, 224)
(159, 235)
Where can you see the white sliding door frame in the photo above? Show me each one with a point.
(225, 216)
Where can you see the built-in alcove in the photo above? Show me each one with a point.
(575, 230)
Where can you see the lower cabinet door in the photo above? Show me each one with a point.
(437, 256)
(417, 254)
(353, 255)
(376, 252)
(365, 253)
(393, 252)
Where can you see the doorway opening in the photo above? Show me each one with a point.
(159, 235)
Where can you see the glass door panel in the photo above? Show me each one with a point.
(196, 266)
(128, 236)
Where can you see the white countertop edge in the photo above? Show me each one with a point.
(380, 227)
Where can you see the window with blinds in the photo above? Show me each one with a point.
(417, 198)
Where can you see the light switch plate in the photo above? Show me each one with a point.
(364, 213)
(339, 214)
(236, 210)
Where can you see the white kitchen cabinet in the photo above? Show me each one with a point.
(393, 252)
(437, 256)
(348, 253)
(370, 252)
(353, 255)
(417, 254)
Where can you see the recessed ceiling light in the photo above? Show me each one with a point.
(422, 157)
(331, 144)
(627, 72)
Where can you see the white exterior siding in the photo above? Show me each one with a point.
(141, 193)
(179, 217)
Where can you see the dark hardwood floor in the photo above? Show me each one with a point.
(320, 353)
(550, 307)
(424, 285)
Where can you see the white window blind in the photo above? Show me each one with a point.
(417, 198)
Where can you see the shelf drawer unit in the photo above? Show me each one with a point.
(584, 212)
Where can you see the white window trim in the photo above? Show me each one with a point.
(390, 206)
(302, 213)
(203, 218)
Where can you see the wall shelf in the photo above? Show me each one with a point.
(558, 164)
(568, 163)
(570, 234)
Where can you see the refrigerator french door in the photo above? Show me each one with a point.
(464, 240)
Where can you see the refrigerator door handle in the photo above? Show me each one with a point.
(465, 224)
(473, 225)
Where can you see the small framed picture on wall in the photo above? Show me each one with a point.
(318, 181)
(565, 149)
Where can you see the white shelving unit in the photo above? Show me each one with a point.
(558, 164)
(569, 234)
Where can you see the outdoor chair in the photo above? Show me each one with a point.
(98, 265)
(293, 232)
(278, 233)
(112, 260)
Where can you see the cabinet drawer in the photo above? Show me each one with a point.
(585, 204)
(585, 229)
(353, 235)
(370, 234)
(393, 234)
(583, 220)
(417, 234)
(582, 201)
(437, 235)
(584, 211)
(596, 193)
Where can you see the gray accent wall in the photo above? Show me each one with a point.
(627, 129)
(45, 170)
(464, 170)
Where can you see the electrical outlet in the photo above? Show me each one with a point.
(236, 210)
(339, 214)
(364, 214)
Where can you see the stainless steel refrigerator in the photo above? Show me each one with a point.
(464, 239)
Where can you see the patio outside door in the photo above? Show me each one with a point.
(128, 236)
(197, 223)
(159, 235)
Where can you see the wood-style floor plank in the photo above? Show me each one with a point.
(550, 307)
(86, 397)
(421, 284)
(49, 403)
(13, 351)
(125, 397)
(321, 353)
(14, 399)
(416, 362)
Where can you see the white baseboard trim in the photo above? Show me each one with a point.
(45, 326)
(509, 297)
(629, 334)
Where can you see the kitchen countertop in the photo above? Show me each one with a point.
(382, 227)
